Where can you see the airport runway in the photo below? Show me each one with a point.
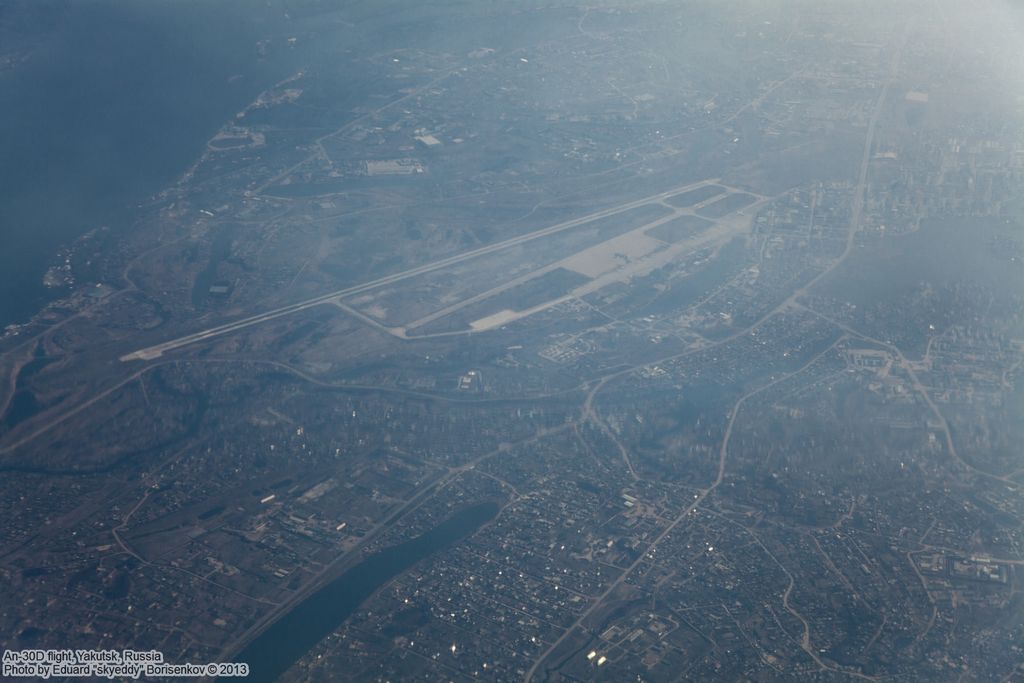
(156, 351)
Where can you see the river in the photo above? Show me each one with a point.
(313, 619)
(113, 102)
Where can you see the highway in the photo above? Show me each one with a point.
(853, 228)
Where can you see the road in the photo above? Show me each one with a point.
(854, 226)
(723, 453)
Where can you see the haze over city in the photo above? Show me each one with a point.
(512, 341)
